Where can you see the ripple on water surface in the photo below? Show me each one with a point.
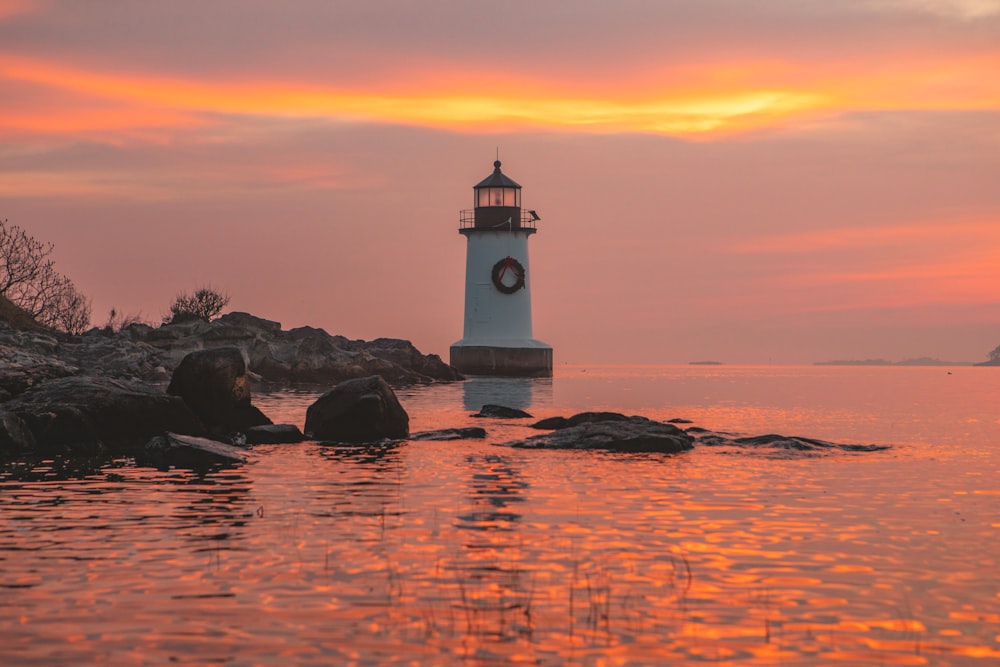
(467, 552)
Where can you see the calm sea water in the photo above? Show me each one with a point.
(471, 553)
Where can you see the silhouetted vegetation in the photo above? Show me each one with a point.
(118, 321)
(28, 280)
(204, 304)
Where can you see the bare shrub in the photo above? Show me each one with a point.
(118, 321)
(204, 304)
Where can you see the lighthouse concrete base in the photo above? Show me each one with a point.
(506, 361)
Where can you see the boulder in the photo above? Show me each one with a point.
(501, 412)
(473, 432)
(359, 410)
(185, 451)
(273, 434)
(638, 434)
(15, 436)
(215, 385)
(83, 414)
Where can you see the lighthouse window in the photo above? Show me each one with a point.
(498, 197)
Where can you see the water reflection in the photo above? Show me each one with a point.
(495, 484)
(380, 456)
(491, 589)
(213, 510)
(41, 468)
(519, 393)
(467, 553)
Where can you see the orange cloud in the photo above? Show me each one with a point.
(704, 100)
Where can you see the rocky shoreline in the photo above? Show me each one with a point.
(104, 391)
(150, 354)
(107, 394)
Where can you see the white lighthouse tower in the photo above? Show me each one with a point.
(497, 338)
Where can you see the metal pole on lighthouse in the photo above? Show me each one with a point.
(497, 335)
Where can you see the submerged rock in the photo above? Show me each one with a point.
(360, 410)
(555, 423)
(185, 451)
(638, 434)
(779, 443)
(214, 383)
(274, 434)
(471, 433)
(501, 412)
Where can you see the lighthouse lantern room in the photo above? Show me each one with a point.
(497, 338)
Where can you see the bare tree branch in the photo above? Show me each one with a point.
(28, 279)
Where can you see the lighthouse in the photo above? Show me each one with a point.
(497, 336)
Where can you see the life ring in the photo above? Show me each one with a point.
(508, 265)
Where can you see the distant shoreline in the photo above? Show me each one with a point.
(923, 361)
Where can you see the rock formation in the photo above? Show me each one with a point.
(359, 410)
(636, 434)
(88, 415)
(184, 451)
(142, 352)
(215, 386)
(501, 412)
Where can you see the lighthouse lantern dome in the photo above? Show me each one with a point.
(497, 201)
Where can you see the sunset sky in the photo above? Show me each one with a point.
(779, 181)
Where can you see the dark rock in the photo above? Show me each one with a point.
(551, 423)
(470, 433)
(555, 423)
(249, 322)
(679, 420)
(15, 436)
(638, 434)
(27, 359)
(184, 451)
(215, 385)
(501, 412)
(359, 410)
(86, 414)
(590, 417)
(775, 443)
(274, 434)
